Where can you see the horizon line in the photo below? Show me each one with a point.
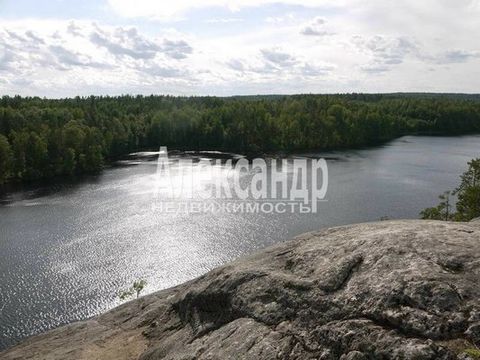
(240, 95)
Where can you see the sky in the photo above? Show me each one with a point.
(64, 48)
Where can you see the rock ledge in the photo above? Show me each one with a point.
(387, 290)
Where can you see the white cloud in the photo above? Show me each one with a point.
(457, 56)
(125, 42)
(278, 58)
(179, 49)
(273, 64)
(83, 56)
(224, 20)
(384, 52)
(378, 46)
(317, 27)
(165, 10)
(236, 64)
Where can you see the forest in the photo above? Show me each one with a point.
(45, 138)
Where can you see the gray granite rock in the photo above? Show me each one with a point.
(387, 290)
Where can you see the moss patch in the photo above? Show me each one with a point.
(474, 353)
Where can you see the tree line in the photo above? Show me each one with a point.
(44, 138)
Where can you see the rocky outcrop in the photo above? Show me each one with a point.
(388, 290)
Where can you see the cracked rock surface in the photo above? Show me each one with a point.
(389, 290)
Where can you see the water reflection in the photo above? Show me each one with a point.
(67, 249)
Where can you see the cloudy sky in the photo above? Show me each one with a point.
(61, 48)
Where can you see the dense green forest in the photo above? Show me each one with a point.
(42, 138)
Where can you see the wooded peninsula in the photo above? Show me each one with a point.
(45, 138)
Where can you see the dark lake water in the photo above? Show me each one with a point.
(66, 250)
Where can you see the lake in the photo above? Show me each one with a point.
(67, 250)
